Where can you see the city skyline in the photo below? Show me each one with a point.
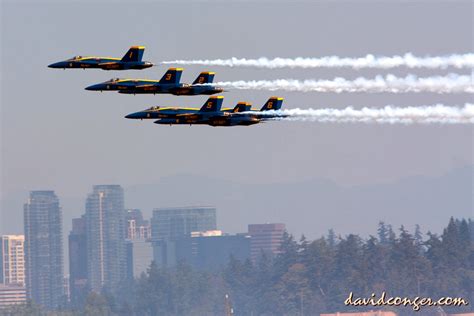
(96, 259)
(185, 233)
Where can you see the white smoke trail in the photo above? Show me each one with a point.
(370, 61)
(438, 113)
(451, 83)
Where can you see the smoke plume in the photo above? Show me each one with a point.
(438, 113)
(451, 83)
(370, 61)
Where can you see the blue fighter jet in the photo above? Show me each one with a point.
(168, 84)
(131, 60)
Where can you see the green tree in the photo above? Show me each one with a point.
(96, 305)
(408, 268)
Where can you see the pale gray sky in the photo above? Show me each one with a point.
(56, 135)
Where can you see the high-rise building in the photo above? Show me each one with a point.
(139, 257)
(78, 261)
(137, 227)
(171, 224)
(105, 236)
(178, 222)
(12, 259)
(265, 238)
(210, 251)
(43, 249)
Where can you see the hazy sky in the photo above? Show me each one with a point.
(56, 135)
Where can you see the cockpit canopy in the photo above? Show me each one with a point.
(75, 58)
(114, 80)
(154, 108)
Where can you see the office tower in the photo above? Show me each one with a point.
(210, 251)
(78, 261)
(12, 259)
(175, 223)
(265, 238)
(137, 227)
(139, 257)
(105, 236)
(171, 224)
(43, 249)
(11, 294)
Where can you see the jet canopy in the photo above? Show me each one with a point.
(75, 58)
(154, 108)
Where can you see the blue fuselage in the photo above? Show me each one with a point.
(105, 63)
(190, 116)
(144, 86)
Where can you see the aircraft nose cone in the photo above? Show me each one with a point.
(95, 87)
(57, 65)
(133, 115)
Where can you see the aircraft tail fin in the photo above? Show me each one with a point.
(274, 103)
(242, 107)
(135, 53)
(213, 104)
(204, 77)
(173, 75)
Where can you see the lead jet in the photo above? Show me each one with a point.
(131, 60)
(168, 84)
(211, 113)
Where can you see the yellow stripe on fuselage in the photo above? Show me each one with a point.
(145, 80)
(179, 108)
(97, 57)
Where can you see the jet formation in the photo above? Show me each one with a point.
(211, 113)
(168, 84)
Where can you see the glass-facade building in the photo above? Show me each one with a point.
(169, 225)
(43, 249)
(178, 222)
(105, 237)
(78, 261)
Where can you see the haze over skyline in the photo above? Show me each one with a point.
(56, 135)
